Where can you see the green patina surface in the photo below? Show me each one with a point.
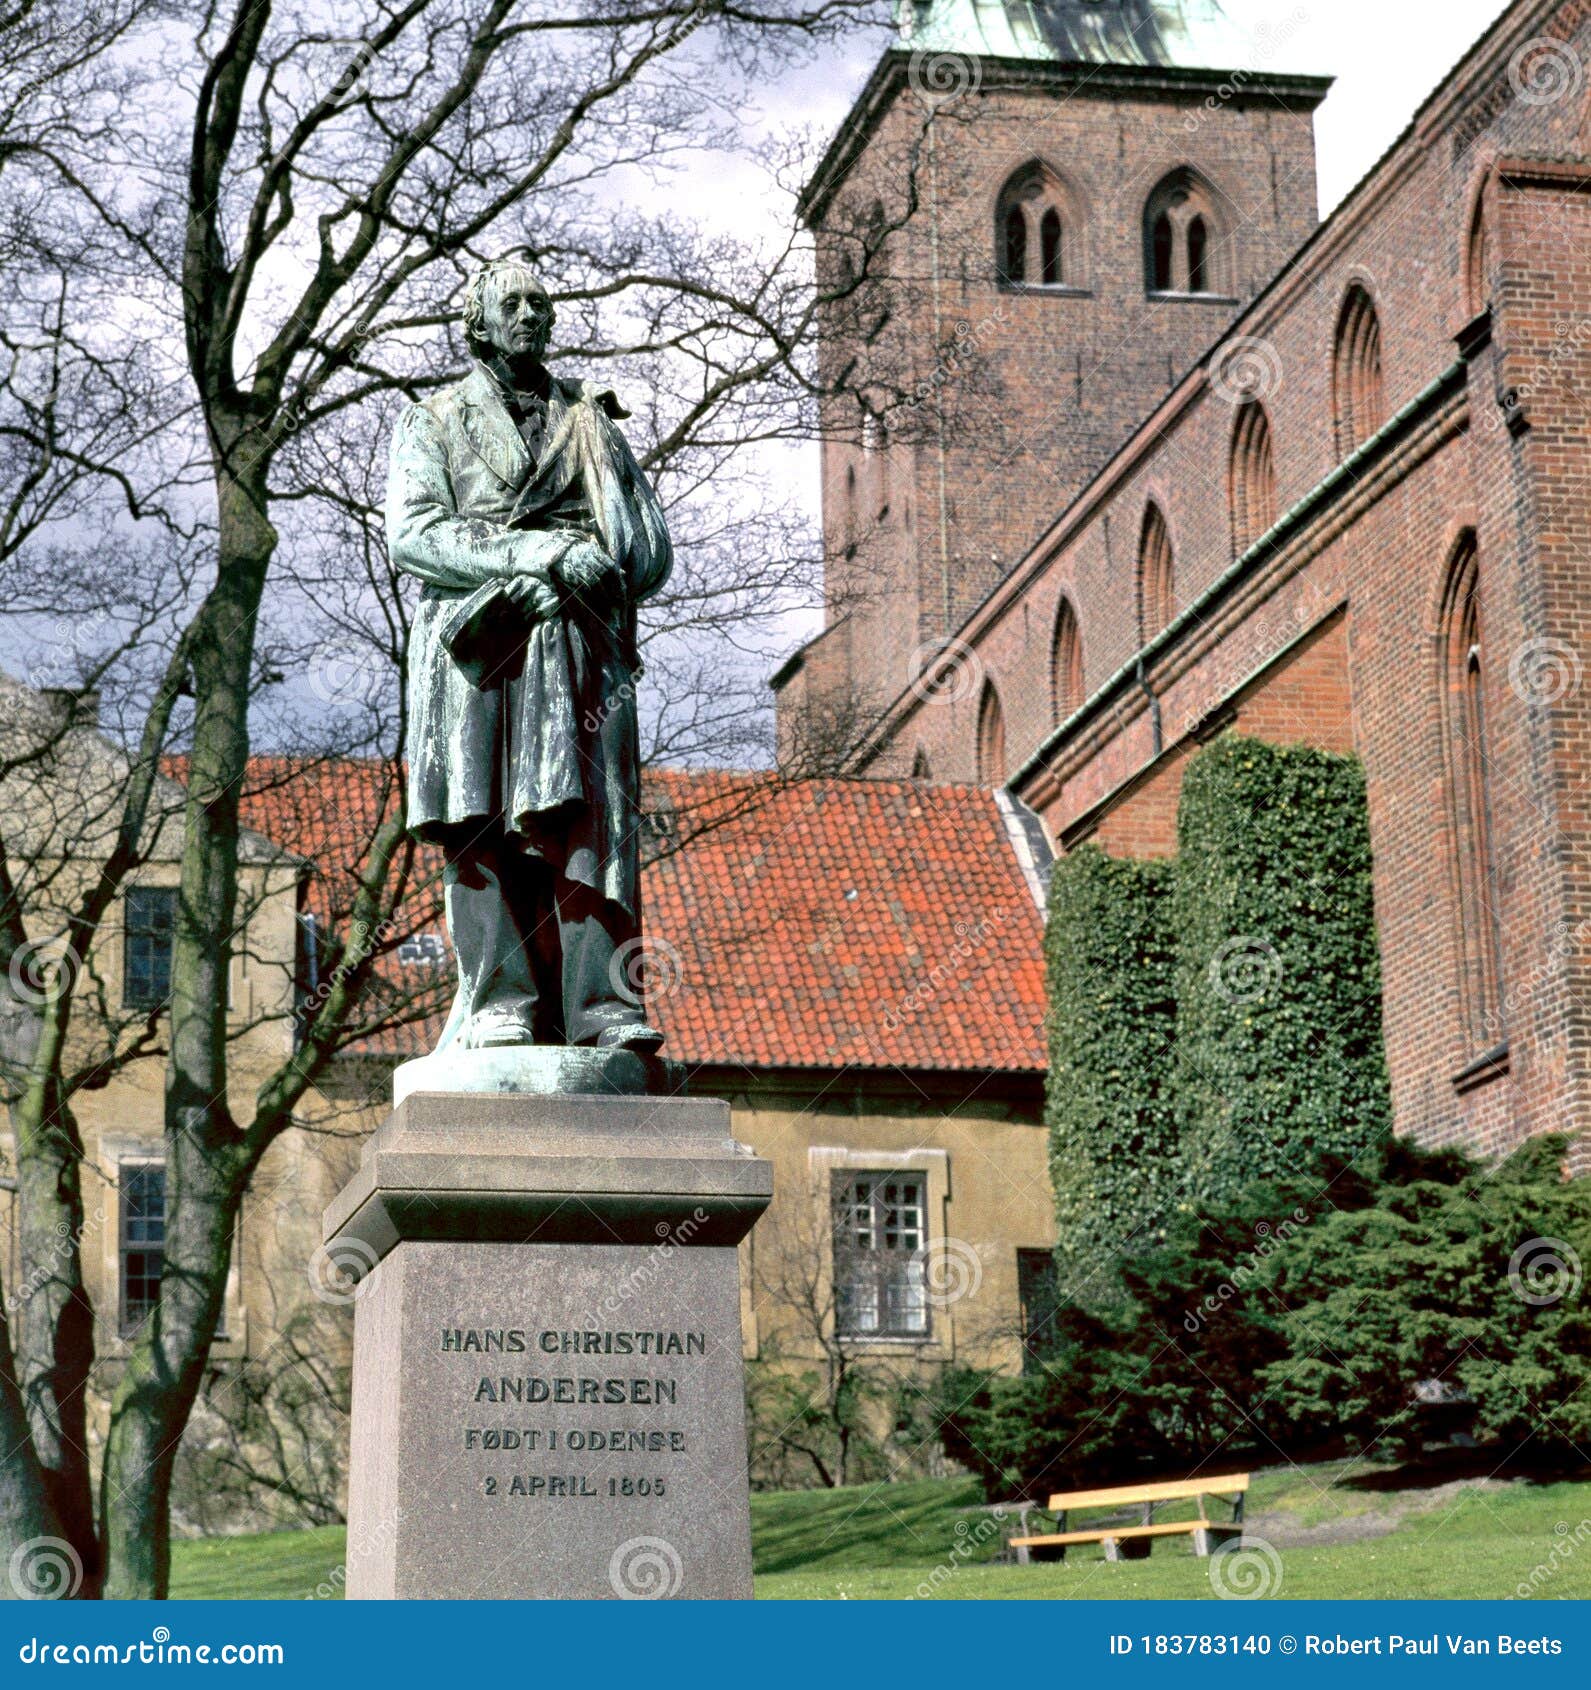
(1189, 34)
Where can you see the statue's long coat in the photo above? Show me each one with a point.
(531, 726)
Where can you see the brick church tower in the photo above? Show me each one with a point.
(1035, 218)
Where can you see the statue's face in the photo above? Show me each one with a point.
(517, 315)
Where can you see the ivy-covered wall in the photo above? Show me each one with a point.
(1109, 973)
(1215, 1019)
(1279, 1050)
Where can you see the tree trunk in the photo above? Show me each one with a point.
(54, 1319)
(25, 1512)
(157, 1391)
(207, 1164)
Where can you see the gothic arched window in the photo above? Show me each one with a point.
(1359, 399)
(1038, 227)
(1469, 794)
(991, 738)
(1253, 477)
(1154, 573)
(1066, 663)
(1186, 237)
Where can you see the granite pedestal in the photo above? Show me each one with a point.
(548, 1382)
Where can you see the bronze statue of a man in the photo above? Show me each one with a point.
(513, 496)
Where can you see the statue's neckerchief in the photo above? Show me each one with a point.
(521, 400)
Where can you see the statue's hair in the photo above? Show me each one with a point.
(475, 293)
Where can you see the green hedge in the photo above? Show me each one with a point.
(1278, 984)
(1215, 1019)
(1109, 962)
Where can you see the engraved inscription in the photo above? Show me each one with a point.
(559, 1437)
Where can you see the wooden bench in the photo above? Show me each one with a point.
(1133, 1542)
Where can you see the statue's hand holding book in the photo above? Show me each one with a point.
(591, 575)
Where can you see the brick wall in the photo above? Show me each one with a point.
(1332, 631)
(1000, 403)
(1302, 699)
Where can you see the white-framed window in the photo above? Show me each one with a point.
(149, 932)
(880, 1233)
(141, 1191)
(422, 950)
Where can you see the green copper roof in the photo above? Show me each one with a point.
(1192, 34)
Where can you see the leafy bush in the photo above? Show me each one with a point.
(1265, 1270)
(1278, 982)
(1338, 1309)
(1465, 1279)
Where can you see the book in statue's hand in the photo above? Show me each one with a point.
(481, 615)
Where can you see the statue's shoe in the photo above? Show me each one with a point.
(644, 1040)
(495, 1026)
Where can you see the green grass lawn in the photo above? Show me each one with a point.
(933, 1539)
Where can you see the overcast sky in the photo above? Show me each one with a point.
(1386, 55)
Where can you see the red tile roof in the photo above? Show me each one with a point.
(826, 924)
(811, 924)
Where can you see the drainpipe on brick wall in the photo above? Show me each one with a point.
(1156, 727)
(945, 624)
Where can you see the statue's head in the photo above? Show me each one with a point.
(508, 311)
